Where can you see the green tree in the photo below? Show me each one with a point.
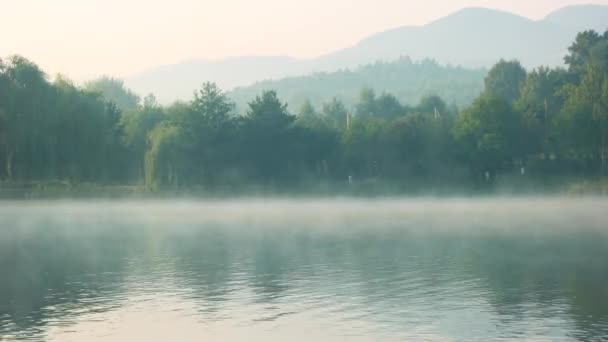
(308, 116)
(266, 137)
(432, 104)
(114, 90)
(335, 113)
(366, 107)
(539, 104)
(579, 53)
(487, 132)
(584, 120)
(418, 147)
(362, 148)
(211, 132)
(505, 80)
(136, 126)
(25, 119)
(165, 158)
(388, 107)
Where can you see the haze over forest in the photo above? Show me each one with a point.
(391, 126)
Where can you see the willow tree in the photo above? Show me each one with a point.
(164, 159)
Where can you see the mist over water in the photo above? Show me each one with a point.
(423, 269)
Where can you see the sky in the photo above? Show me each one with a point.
(87, 38)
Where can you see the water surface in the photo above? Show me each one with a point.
(299, 270)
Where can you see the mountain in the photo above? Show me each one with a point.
(178, 81)
(580, 18)
(472, 37)
(409, 81)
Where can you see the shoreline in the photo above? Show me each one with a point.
(49, 190)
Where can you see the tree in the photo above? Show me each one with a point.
(308, 116)
(268, 110)
(432, 104)
(266, 137)
(136, 126)
(418, 146)
(25, 119)
(579, 53)
(366, 107)
(388, 107)
(165, 158)
(211, 132)
(362, 148)
(114, 90)
(335, 113)
(487, 132)
(540, 101)
(211, 106)
(505, 80)
(584, 118)
(5, 95)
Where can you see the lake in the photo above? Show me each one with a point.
(482, 269)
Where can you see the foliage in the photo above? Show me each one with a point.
(405, 79)
(114, 90)
(505, 80)
(543, 123)
(488, 132)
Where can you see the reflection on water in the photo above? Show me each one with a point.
(390, 270)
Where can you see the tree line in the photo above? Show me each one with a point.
(549, 122)
(406, 79)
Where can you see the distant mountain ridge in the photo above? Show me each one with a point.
(456, 85)
(472, 38)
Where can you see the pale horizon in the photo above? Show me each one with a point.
(120, 38)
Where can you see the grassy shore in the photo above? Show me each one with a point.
(589, 187)
(64, 189)
(369, 188)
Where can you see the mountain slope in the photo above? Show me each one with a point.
(580, 18)
(408, 81)
(178, 81)
(473, 37)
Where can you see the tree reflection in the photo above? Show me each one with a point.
(382, 275)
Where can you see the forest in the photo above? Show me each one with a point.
(539, 125)
(404, 78)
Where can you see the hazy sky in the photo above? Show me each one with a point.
(83, 38)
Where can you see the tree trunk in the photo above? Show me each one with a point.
(9, 164)
(602, 149)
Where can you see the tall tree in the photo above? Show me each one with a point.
(136, 126)
(335, 113)
(388, 107)
(432, 104)
(579, 53)
(211, 130)
(166, 159)
(308, 116)
(266, 134)
(585, 118)
(505, 80)
(366, 107)
(114, 90)
(540, 102)
(488, 133)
